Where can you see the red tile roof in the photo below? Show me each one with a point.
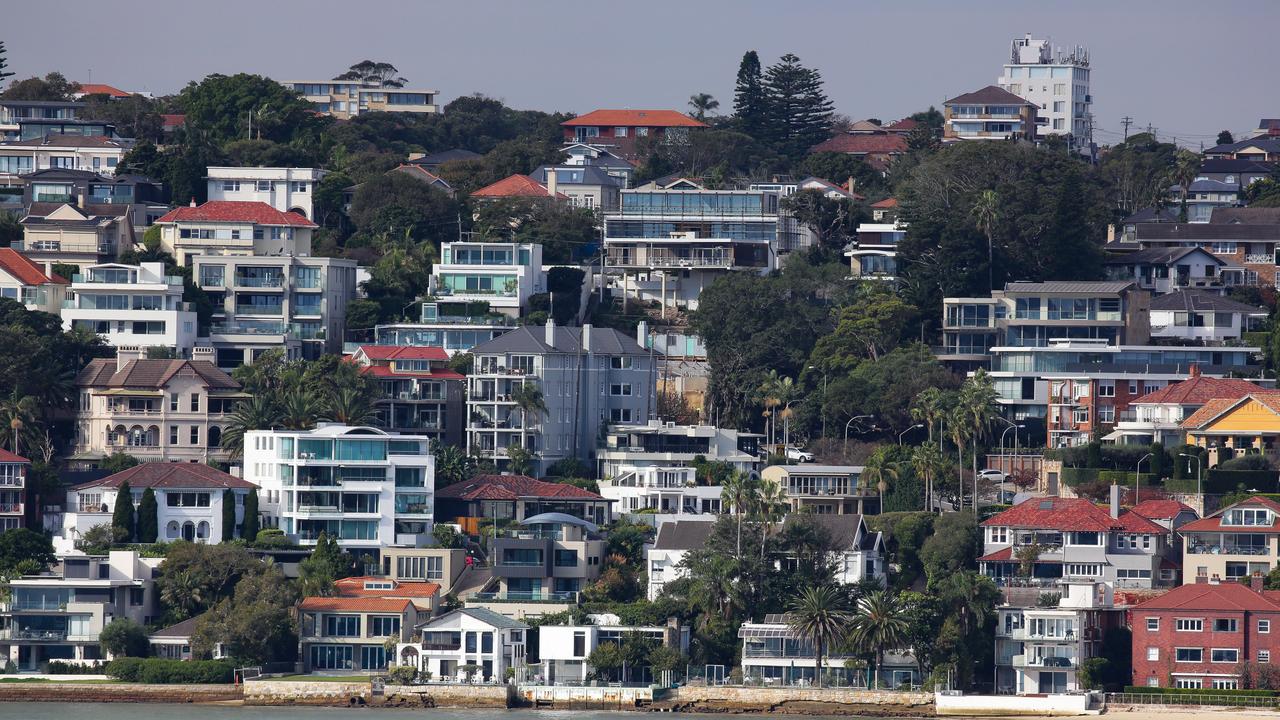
(354, 587)
(384, 371)
(903, 124)
(99, 89)
(171, 475)
(173, 121)
(514, 186)
(1208, 596)
(258, 213)
(512, 487)
(1070, 514)
(634, 118)
(1218, 406)
(1197, 390)
(412, 169)
(1161, 509)
(25, 271)
(355, 604)
(1214, 521)
(885, 204)
(403, 352)
(1004, 555)
(8, 457)
(863, 145)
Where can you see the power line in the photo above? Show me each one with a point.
(1126, 121)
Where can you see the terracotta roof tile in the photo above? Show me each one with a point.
(1069, 514)
(355, 604)
(8, 457)
(1217, 406)
(863, 145)
(512, 487)
(171, 475)
(99, 89)
(1197, 390)
(404, 352)
(514, 186)
(1161, 509)
(634, 118)
(25, 271)
(885, 204)
(258, 213)
(1208, 596)
(150, 374)
(354, 587)
(1214, 521)
(384, 371)
(1004, 555)
(989, 95)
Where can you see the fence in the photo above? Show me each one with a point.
(1170, 699)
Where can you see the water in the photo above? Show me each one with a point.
(160, 711)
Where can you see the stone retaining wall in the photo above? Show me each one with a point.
(799, 700)
(115, 692)
(355, 693)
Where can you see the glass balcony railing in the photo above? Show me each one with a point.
(259, 310)
(267, 281)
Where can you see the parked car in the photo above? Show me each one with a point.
(798, 455)
(994, 476)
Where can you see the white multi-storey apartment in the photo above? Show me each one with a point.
(284, 188)
(665, 490)
(1039, 648)
(1057, 82)
(345, 99)
(13, 490)
(95, 153)
(475, 637)
(563, 649)
(228, 227)
(668, 445)
(131, 305)
(365, 487)
(501, 274)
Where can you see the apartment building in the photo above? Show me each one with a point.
(664, 490)
(1076, 541)
(667, 445)
(503, 275)
(345, 99)
(442, 567)
(823, 489)
(91, 153)
(420, 394)
(563, 649)
(59, 615)
(286, 189)
(467, 644)
(988, 114)
(131, 305)
(1057, 84)
(41, 117)
(550, 558)
(874, 251)
(13, 490)
(135, 199)
(239, 228)
(1168, 269)
(589, 378)
(774, 654)
(516, 498)
(189, 501)
(25, 282)
(284, 301)
(350, 633)
(365, 487)
(156, 410)
(67, 235)
(452, 326)
(664, 560)
(1232, 543)
(666, 245)
(1040, 648)
(1158, 415)
(623, 132)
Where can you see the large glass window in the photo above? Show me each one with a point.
(331, 657)
(361, 450)
(212, 275)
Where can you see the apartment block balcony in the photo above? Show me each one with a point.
(11, 508)
(1050, 662)
(713, 260)
(268, 310)
(1194, 548)
(524, 597)
(66, 246)
(269, 281)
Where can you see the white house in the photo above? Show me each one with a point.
(563, 649)
(284, 188)
(25, 282)
(189, 499)
(668, 445)
(675, 539)
(667, 490)
(233, 227)
(859, 553)
(1200, 316)
(773, 654)
(135, 305)
(468, 643)
(366, 487)
(501, 274)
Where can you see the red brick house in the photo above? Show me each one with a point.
(620, 130)
(877, 149)
(1202, 635)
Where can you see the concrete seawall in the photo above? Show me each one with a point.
(816, 701)
(349, 694)
(115, 692)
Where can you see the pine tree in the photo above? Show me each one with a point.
(228, 515)
(749, 105)
(122, 517)
(799, 113)
(4, 64)
(148, 517)
(249, 527)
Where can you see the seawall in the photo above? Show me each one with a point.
(810, 701)
(115, 692)
(357, 694)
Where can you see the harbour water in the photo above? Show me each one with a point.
(157, 711)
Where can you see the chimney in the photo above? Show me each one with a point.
(126, 354)
(1194, 370)
(642, 331)
(1115, 501)
(550, 336)
(1255, 581)
(82, 199)
(193, 201)
(849, 183)
(202, 353)
(551, 181)
(1202, 579)
(586, 338)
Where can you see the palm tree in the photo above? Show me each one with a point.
(738, 493)
(767, 395)
(19, 423)
(960, 432)
(879, 625)
(184, 592)
(528, 397)
(927, 462)
(771, 503)
(818, 616)
(349, 406)
(978, 408)
(300, 411)
(986, 212)
(930, 406)
(878, 472)
(702, 103)
(1185, 169)
(257, 413)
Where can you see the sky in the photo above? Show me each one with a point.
(1189, 68)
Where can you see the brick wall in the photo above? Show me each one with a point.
(1165, 668)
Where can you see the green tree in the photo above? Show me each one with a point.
(878, 625)
(528, 397)
(123, 637)
(880, 471)
(832, 220)
(875, 323)
(21, 545)
(256, 413)
(750, 106)
(606, 659)
(798, 111)
(1225, 138)
(221, 108)
(327, 563)
(194, 576)
(99, 539)
(702, 103)
(452, 465)
(381, 74)
(20, 426)
(148, 517)
(349, 406)
(445, 536)
(955, 542)
(520, 460)
(256, 624)
(738, 495)
(818, 617)
(249, 525)
(52, 87)
(4, 64)
(122, 516)
(985, 212)
(228, 515)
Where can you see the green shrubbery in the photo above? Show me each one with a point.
(59, 667)
(1144, 690)
(158, 671)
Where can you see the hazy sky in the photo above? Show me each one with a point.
(1189, 67)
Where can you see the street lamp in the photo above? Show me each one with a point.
(1137, 477)
(904, 432)
(1199, 467)
(852, 420)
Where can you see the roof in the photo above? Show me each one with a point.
(258, 213)
(1205, 232)
(885, 204)
(1002, 555)
(484, 615)
(557, 518)
(1217, 406)
(1070, 286)
(384, 371)
(414, 170)
(1211, 596)
(1232, 165)
(863, 144)
(1071, 514)
(403, 352)
(989, 95)
(1268, 145)
(445, 156)
(1194, 299)
(8, 457)
(1152, 214)
(355, 604)
(513, 186)
(183, 629)
(1161, 509)
(683, 535)
(171, 475)
(25, 271)
(1160, 255)
(842, 530)
(532, 339)
(903, 124)
(355, 587)
(1198, 390)
(591, 175)
(1213, 523)
(634, 118)
(1245, 216)
(811, 469)
(172, 121)
(100, 89)
(70, 141)
(512, 487)
(150, 374)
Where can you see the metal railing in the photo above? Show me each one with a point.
(516, 596)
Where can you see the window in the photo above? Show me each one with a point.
(1106, 388)
(579, 644)
(380, 626)
(620, 131)
(299, 187)
(620, 415)
(186, 499)
(620, 389)
(230, 186)
(195, 434)
(1224, 625)
(1083, 569)
(1153, 653)
(1189, 624)
(1226, 684)
(1264, 657)
(173, 434)
(642, 132)
(1133, 387)
(195, 402)
(1153, 624)
(263, 186)
(1223, 248)
(1225, 655)
(1189, 655)
(620, 363)
(1264, 627)
(1187, 684)
(342, 625)
(1000, 535)
(1106, 413)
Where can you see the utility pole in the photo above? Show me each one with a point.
(1126, 121)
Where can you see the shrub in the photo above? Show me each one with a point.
(58, 667)
(1220, 482)
(403, 674)
(158, 671)
(1251, 461)
(1144, 690)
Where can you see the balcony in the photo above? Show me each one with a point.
(1054, 663)
(1214, 549)
(270, 310)
(269, 281)
(519, 597)
(11, 508)
(665, 260)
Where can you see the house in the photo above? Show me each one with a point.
(1041, 647)
(541, 565)
(682, 368)
(664, 560)
(1268, 127)
(345, 99)
(1240, 425)
(988, 114)
(823, 489)
(586, 186)
(622, 132)
(287, 189)
(173, 642)
(579, 154)
(1168, 268)
(878, 150)
(233, 227)
(466, 644)
(1198, 316)
(1233, 543)
(1203, 196)
(189, 501)
(1158, 415)
(859, 554)
(420, 394)
(874, 251)
(67, 235)
(423, 595)
(1203, 635)
(136, 199)
(59, 615)
(774, 654)
(668, 445)
(420, 172)
(884, 211)
(452, 326)
(156, 410)
(93, 153)
(25, 282)
(131, 305)
(350, 633)
(515, 498)
(502, 274)
(663, 490)
(589, 378)
(563, 649)
(1239, 174)
(1070, 539)
(99, 89)
(13, 490)
(1057, 86)
(515, 186)
(27, 119)
(1171, 515)
(1243, 238)
(443, 567)
(366, 487)
(1259, 149)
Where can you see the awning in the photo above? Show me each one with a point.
(1113, 435)
(122, 392)
(230, 394)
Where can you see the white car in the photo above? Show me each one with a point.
(795, 453)
(994, 476)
